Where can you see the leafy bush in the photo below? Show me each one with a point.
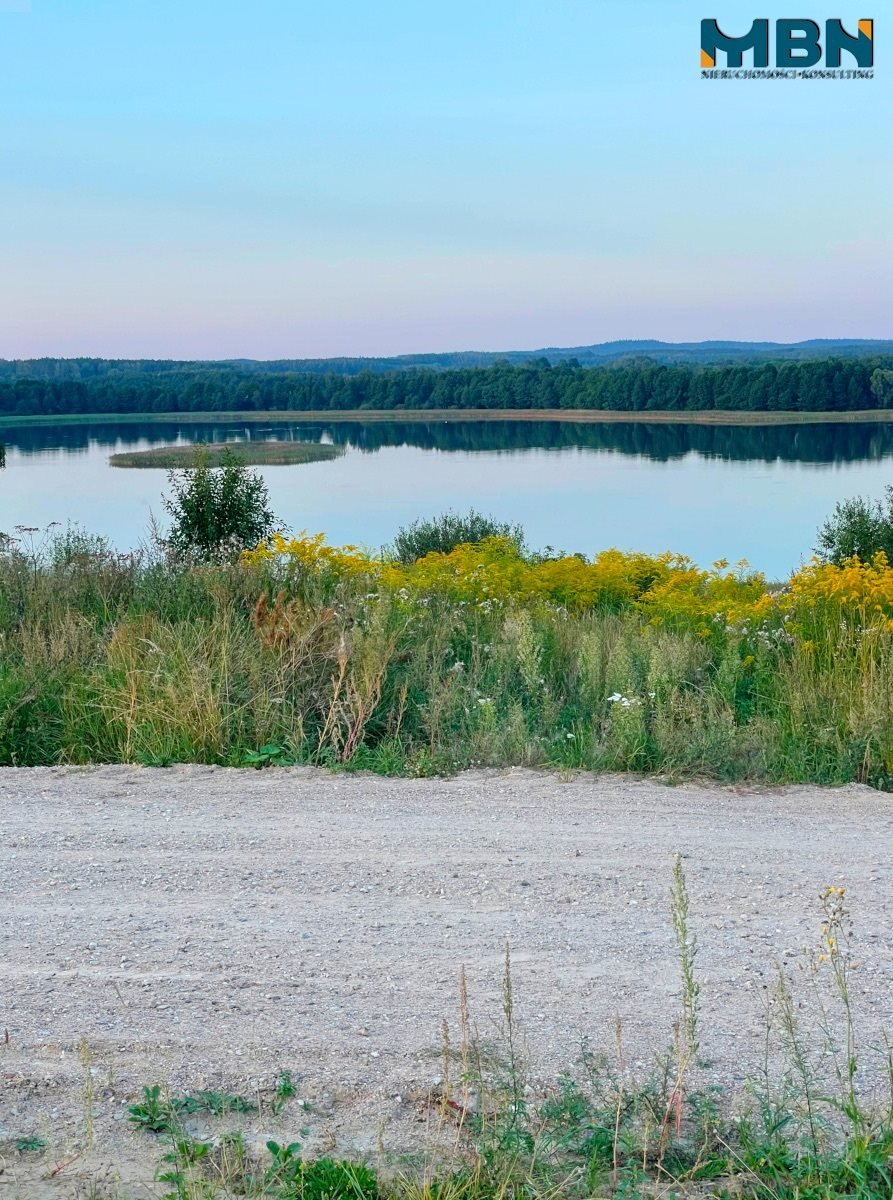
(858, 528)
(216, 513)
(444, 533)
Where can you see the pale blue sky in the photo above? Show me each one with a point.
(204, 178)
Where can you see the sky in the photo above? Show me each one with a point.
(275, 178)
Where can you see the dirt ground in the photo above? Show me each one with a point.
(202, 927)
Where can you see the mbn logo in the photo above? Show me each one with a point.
(798, 43)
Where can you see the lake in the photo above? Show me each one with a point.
(754, 492)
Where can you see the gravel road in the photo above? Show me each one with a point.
(209, 927)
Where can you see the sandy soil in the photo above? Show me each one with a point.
(208, 928)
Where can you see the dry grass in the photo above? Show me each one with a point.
(109, 658)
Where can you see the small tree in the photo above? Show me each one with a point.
(444, 533)
(882, 387)
(858, 527)
(217, 512)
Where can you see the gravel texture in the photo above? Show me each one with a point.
(207, 928)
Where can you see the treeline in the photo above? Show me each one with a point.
(829, 385)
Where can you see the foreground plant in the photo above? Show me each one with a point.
(216, 512)
(301, 652)
(804, 1129)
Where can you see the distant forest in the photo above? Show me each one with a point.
(623, 353)
(823, 385)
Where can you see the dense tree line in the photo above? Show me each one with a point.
(828, 385)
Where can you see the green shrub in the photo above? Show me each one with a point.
(217, 513)
(444, 533)
(858, 527)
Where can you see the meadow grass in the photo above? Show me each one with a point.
(304, 654)
(484, 656)
(271, 454)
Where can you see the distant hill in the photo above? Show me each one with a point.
(601, 354)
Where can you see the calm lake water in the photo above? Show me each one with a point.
(708, 492)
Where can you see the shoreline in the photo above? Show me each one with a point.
(586, 416)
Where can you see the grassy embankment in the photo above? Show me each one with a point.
(271, 454)
(304, 653)
(585, 415)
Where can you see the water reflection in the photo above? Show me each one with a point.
(755, 492)
(817, 444)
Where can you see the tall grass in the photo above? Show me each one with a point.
(134, 658)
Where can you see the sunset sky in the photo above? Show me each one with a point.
(276, 178)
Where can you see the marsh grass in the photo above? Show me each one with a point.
(270, 453)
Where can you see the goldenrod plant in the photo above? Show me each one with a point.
(303, 652)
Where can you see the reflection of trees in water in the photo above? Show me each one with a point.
(793, 443)
(823, 443)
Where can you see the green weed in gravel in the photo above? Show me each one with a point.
(805, 1127)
